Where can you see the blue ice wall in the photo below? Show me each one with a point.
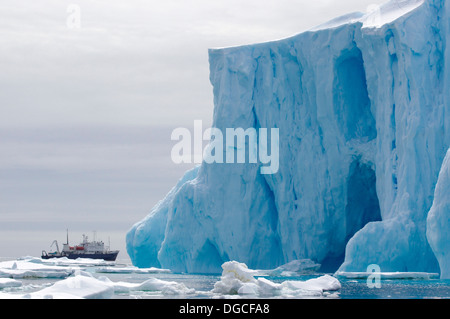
(363, 113)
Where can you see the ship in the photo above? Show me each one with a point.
(86, 249)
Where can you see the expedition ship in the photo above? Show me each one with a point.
(86, 249)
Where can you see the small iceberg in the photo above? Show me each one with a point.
(237, 279)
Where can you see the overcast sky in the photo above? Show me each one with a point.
(86, 113)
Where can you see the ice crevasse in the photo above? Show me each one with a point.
(362, 105)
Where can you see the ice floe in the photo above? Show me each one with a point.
(83, 285)
(7, 282)
(33, 267)
(132, 270)
(154, 284)
(237, 279)
(29, 269)
(64, 261)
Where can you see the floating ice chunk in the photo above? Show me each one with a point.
(81, 286)
(154, 284)
(239, 271)
(320, 284)
(7, 282)
(313, 287)
(248, 288)
(234, 277)
(267, 287)
(238, 279)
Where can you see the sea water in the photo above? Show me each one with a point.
(204, 284)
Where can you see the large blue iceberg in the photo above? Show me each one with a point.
(362, 104)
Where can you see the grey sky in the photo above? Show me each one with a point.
(86, 114)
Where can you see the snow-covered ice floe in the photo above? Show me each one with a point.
(33, 267)
(83, 285)
(388, 275)
(64, 261)
(237, 279)
(154, 284)
(7, 282)
(30, 269)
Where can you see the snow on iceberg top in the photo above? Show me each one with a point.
(376, 15)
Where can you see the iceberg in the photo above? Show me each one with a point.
(439, 220)
(362, 108)
(145, 238)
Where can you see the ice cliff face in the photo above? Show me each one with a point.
(363, 115)
(439, 220)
